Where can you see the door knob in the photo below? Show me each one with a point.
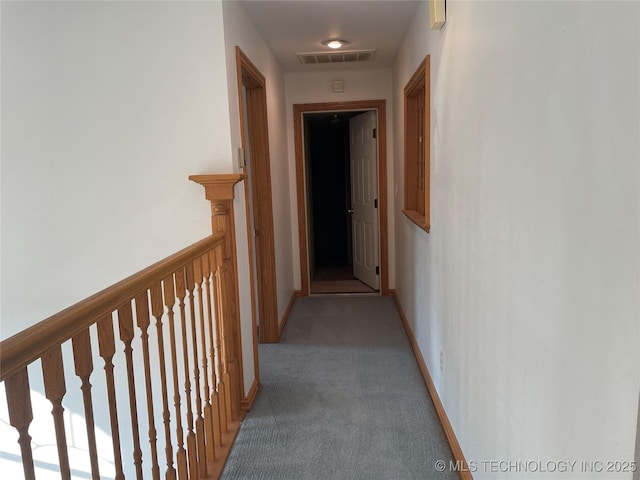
(350, 210)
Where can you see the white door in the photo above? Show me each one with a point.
(364, 197)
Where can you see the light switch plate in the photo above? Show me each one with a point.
(241, 159)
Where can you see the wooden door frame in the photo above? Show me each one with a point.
(298, 111)
(267, 301)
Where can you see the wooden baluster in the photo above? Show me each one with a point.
(107, 349)
(125, 327)
(208, 410)
(200, 436)
(170, 301)
(142, 317)
(55, 389)
(157, 310)
(219, 212)
(20, 416)
(215, 401)
(237, 335)
(222, 329)
(230, 342)
(219, 348)
(192, 453)
(84, 368)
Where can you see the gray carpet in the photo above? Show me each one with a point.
(341, 397)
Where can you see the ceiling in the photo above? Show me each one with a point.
(293, 26)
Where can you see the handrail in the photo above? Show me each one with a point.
(27, 346)
(167, 339)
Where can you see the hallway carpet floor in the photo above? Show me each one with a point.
(341, 397)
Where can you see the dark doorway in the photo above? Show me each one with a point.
(303, 195)
(329, 197)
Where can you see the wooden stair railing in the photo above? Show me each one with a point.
(172, 403)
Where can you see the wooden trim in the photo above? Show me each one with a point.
(241, 59)
(416, 218)
(238, 327)
(419, 84)
(458, 456)
(246, 403)
(247, 74)
(26, 346)
(418, 76)
(382, 200)
(287, 311)
(301, 200)
(218, 187)
(219, 190)
(298, 111)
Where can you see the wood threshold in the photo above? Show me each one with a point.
(419, 220)
(458, 456)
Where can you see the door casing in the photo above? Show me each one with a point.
(258, 141)
(298, 111)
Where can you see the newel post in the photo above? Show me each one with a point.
(219, 191)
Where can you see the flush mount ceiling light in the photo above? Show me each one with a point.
(334, 43)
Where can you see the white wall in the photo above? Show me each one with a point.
(106, 110)
(239, 31)
(316, 87)
(528, 283)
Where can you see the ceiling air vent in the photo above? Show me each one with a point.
(307, 58)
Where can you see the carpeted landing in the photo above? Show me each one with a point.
(341, 397)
